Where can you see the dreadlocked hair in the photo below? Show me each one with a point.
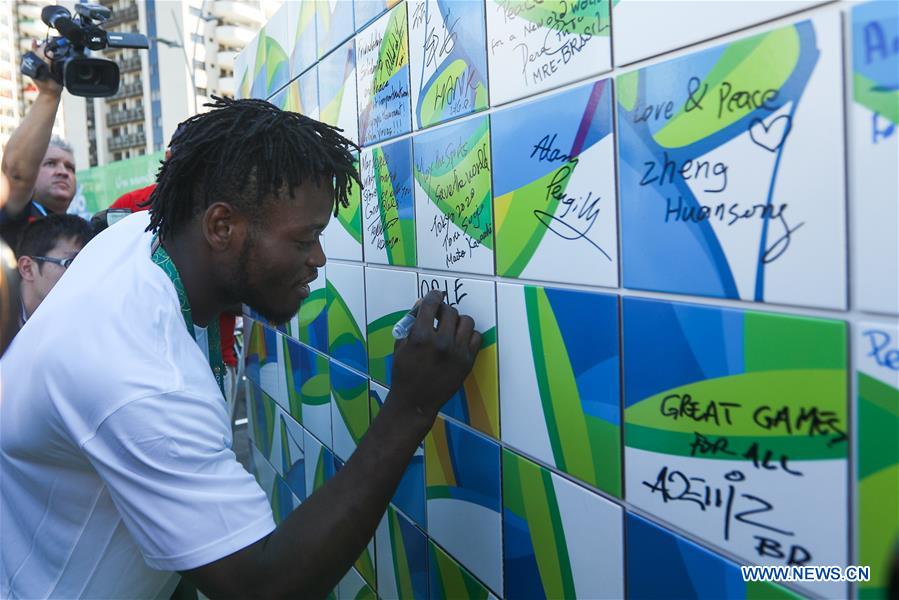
(244, 151)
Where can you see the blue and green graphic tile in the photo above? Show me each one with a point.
(337, 90)
(262, 350)
(251, 394)
(648, 29)
(294, 376)
(382, 61)
(402, 558)
(310, 325)
(265, 476)
(730, 418)
(334, 23)
(283, 500)
(262, 413)
(244, 63)
(877, 468)
(449, 580)
(873, 115)
(268, 346)
(255, 81)
(388, 211)
(560, 540)
(663, 565)
(267, 67)
(560, 392)
(389, 295)
(463, 485)
(354, 587)
(554, 201)
(346, 315)
(276, 451)
(310, 387)
(301, 21)
(477, 402)
(731, 170)
(369, 10)
(453, 198)
(292, 466)
(280, 498)
(537, 46)
(350, 412)
(365, 564)
(279, 41)
(251, 459)
(449, 80)
(345, 232)
(320, 463)
(410, 493)
(303, 94)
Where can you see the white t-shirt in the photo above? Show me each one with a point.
(115, 445)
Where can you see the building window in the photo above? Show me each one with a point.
(199, 64)
(196, 38)
(195, 11)
(116, 156)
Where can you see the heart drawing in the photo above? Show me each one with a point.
(771, 136)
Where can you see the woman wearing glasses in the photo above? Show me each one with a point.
(47, 248)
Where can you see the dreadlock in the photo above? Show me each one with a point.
(244, 151)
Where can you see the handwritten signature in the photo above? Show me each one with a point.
(584, 212)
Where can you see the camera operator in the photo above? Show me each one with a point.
(37, 174)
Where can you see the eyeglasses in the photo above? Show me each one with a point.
(62, 262)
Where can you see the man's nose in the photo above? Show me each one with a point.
(318, 258)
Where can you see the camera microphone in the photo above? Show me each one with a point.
(60, 19)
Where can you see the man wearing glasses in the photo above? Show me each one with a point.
(48, 246)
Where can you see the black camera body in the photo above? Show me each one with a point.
(69, 65)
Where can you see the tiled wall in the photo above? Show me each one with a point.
(675, 224)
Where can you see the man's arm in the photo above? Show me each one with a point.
(26, 148)
(310, 551)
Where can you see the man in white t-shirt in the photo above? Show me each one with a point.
(115, 445)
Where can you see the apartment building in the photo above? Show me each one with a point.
(20, 22)
(9, 91)
(191, 57)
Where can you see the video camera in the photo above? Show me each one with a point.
(69, 65)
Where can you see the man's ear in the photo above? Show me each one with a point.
(223, 227)
(27, 267)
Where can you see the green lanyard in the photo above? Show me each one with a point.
(164, 261)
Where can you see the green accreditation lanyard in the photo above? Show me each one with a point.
(164, 261)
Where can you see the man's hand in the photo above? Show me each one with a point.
(430, 365)
(48, 86)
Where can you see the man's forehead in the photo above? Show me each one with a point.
(58, 153)
(311, 199)
(299, 215)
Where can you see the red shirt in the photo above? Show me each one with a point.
(131, 201)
